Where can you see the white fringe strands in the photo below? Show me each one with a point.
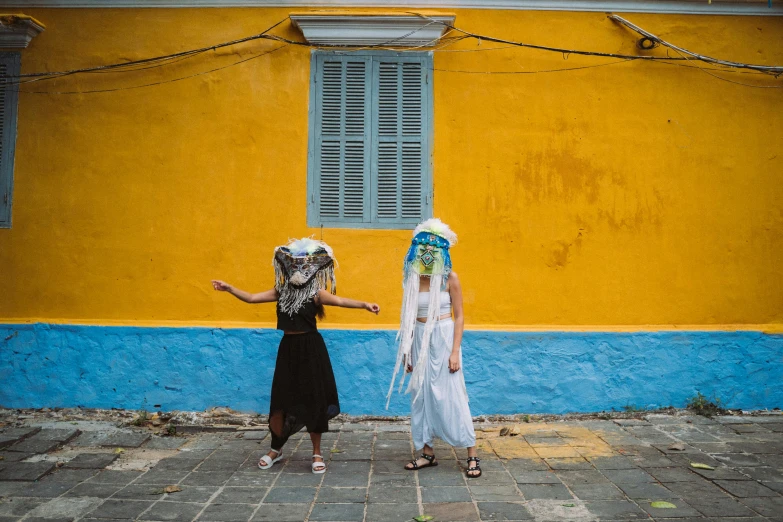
(407, 331)
(302, 269)
(293, 298)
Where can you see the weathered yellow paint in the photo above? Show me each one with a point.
(629, 194)
(575, 442)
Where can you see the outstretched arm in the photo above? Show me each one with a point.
(269, 296)
(455, 292)
(326, 298)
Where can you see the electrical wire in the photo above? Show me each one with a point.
(435, 45)
(160, 82)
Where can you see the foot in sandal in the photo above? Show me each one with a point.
(424, 461)
(318, 465)
(268, 460)
(473, 471)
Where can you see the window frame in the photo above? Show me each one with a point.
(313, 193)
(12, 62)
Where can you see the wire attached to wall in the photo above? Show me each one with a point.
(437, 44)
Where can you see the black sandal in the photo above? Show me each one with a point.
(430, 462)
(473, 469)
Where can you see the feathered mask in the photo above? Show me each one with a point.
(302, 268)
(428, 256)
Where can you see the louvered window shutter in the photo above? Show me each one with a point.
(342, 152)
(369, 164)
(9, 68)
(399, 141)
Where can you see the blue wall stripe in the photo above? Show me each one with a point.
(53, 365)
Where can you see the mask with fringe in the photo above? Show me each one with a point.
(427, 256)
(302, 268)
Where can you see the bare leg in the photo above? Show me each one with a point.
(315, 438)
(421, 461)
(276, 426)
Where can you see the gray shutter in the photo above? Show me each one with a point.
(400, 140)
(342, 149)
(9, 66)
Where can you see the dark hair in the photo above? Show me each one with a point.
(320, 312)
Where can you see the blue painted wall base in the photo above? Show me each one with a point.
(53, 365)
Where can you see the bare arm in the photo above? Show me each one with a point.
(328, 299)
(269, 296)
(455, 292)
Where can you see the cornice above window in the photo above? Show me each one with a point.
(16, 31)
(377, 30)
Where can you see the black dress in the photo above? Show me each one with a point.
(303, 388)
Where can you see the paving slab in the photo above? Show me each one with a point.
(92, 460)
(120, 509)
(545, 491)
(290, 495)
(615, 509)
(342, 512)
(124, 439)
(18, 507)
(682, 509)
(26, 471)
(606, 491)
(495, 493)
(724, 506)
(749, 488)
(767, 506)
(9, 436)
(503, 511)
(385, 494)
(61, 435)
(281, 513)
(330, 495)
(165, 442)
(227, 512)
(452, 511)
(64, 508)
(172, 511)
(197, 494)
(438, 494)
(34, 446)
(392, 512)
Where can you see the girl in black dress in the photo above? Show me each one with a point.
(304, 393)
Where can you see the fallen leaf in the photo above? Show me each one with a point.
(660, 504)
(337, 450)
(171, 489)
(679, 446)
(504, 431)
(569, 505)
(119, 450)
(423, 518)
(699, 465)
(60, 464)
(2, 458)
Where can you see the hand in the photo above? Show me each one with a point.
(408, 366)
(454, 363)
(220, 286)
(372, 307)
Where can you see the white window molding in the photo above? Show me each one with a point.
(17, 31)
(700, 7)
(361, 30)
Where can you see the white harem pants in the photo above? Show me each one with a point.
(441, 407)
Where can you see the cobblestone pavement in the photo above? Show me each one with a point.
(545, 471)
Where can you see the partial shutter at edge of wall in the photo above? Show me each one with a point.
(9, 70)
(340, 188)
(401, 155)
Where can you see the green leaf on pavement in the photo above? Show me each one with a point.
(699, 465)
(660, 504)
(337, 450)
(423, 518)
(569, 505)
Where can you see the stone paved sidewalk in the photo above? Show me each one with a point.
(562, 470)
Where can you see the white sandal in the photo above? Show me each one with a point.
(267, 462)
(320, 465)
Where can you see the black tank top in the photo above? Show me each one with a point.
(302, 321)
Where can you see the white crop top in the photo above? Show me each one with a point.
(424, 304)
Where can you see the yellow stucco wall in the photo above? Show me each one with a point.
(630, 194)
